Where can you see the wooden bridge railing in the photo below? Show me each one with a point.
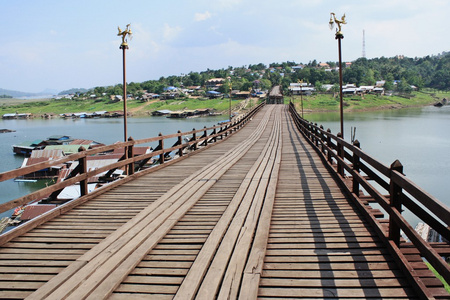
(129, 162)
(355, 169)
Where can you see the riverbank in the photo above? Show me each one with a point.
(314, 103)
(357, 103)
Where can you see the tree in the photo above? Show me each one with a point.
(403, 86)
(319, 87)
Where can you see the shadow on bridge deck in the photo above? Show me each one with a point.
(256, 216)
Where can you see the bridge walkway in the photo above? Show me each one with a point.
(256, 216)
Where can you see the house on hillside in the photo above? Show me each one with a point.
(213, 94)
(214, 83)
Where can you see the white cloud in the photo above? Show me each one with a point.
(202, 16)
(171, 33)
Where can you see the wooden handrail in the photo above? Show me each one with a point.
(356, 162)
(84, 175)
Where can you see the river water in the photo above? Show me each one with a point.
(418, 137)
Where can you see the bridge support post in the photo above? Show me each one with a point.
(330, 158)
(395, 192)
(82, 161)
(180, 143)
(194, 138)
(130, 151)
(161, 147)
(316, 135)
(340, 152)
(355, 187)
(214, 134)
(205, 134)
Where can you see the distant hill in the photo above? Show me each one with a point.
(18, 94)
(73, 91)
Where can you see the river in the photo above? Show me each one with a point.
(418, 137)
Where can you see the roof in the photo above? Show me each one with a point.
(32, 161)
(136, 150)
(36, 142)
(73, 191)
(33, 211)
(170, 88)
(81, 142)
(47, 153)
(67, 149)
(59, 137)
(25, 144)
(215, 79)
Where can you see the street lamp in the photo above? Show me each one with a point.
(124, 46)
(229, 78)
(339, 37)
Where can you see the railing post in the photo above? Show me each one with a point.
(355, 187)
(395, 192)
(82, 161)
(194, 137)
(180, 143)
(161, 147)
(316, 135)
(322, 140)
(214, 134)
(340, 152)
(330, 158)
(206, 136)
(130, 155)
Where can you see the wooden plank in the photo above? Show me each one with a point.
(363, 293)
(196, 273)
(115, 266)
(334, 283)
(316, 243)
(255, 225)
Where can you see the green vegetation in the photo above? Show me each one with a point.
(411, 81)
(399, 73)
(316, 102)
(446, 285)
(326, 102)
(134, 106)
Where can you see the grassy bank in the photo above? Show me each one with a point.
(326, 102)
(134, 106)
(315, 103)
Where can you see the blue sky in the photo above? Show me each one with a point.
(65, 44)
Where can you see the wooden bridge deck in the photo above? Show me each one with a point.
(258, 216)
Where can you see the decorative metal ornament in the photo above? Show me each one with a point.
(124, 34)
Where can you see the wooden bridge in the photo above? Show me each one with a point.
(269, 207)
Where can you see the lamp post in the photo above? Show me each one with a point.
(229, 110)
(301, 94)
(124, 47)
(339, 37)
